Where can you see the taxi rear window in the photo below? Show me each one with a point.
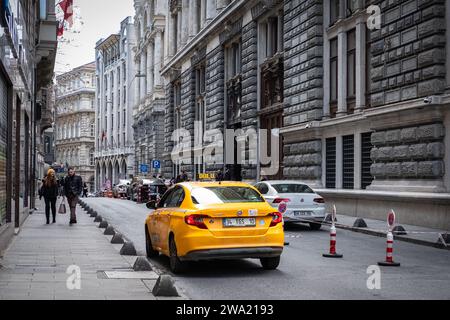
(217, 195)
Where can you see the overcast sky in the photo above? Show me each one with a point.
(101, 18)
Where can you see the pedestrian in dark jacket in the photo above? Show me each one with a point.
(73, 187)
(49, 191)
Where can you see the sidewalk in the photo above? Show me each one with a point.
(415, 234)
(35, 264)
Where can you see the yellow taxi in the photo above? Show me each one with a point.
(214, 220)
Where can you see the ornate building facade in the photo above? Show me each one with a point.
(115, 74)
(75, 121)
(357, 91)
(148, 113)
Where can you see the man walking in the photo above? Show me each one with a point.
(73, 187)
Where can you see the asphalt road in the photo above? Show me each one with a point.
(303, 273)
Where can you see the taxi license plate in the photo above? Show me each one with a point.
(303, 213)
(239, 222)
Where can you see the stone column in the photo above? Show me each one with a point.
(137, 83)
(158, 58)
(179, 29)
(193, 19)
(185, 22)
(150, 67)
(202, 13)
(172, 35)
(360, 66)
(211, 10)
(342, 73)
(143, 70)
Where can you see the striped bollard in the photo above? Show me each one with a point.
(333, 253)
(389, 253)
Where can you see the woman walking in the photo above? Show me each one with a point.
(50, 193)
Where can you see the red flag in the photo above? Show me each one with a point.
(60, 29)
(67, 7)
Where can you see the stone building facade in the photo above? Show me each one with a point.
(359, 91)
(75, 121)
(28, 46)
(115, 74)
(148, 111)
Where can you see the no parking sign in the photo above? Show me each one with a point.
(391, 219)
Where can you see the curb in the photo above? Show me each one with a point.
(436, 244)
(165, 285)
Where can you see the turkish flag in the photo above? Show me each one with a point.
(60, 29)
(67, 7)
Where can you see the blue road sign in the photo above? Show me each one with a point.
(156, 164)
(144, 168)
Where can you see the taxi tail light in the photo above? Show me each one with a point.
(277, 218)
(280, 200)
(319, 200)
(196, 221)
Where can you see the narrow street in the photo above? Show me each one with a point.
(303, 273)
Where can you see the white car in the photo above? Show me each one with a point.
(295, 200)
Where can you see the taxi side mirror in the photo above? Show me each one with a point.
(151, 205)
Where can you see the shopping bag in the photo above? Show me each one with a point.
(62, 207)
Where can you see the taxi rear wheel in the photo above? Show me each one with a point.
(176, 265)
(151, 253)
(270, 263)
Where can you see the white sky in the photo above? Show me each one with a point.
(101, 18)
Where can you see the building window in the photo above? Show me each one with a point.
(330, 145)
(333, 77)
(124, 95)
(351, 71)
(200, 93)
(177, 104)
(124, 118)
(348, 162)
(368, 68)
(92, 129)
(334, 11)
(366, 161)
(234, 84)
(272, 69)
(91, 157)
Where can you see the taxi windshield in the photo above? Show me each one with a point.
(217, 195)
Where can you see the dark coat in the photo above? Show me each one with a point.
(73, 186)
(50, 192)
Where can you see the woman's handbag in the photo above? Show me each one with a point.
(62, 207)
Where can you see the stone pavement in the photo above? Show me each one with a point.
(415, 234)
(35, 264)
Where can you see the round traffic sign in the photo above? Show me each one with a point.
(391, 219)
(282, 208)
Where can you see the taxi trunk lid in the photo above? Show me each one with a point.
(256, 217)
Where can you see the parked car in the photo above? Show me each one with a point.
(121, 188)
(296, 200)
